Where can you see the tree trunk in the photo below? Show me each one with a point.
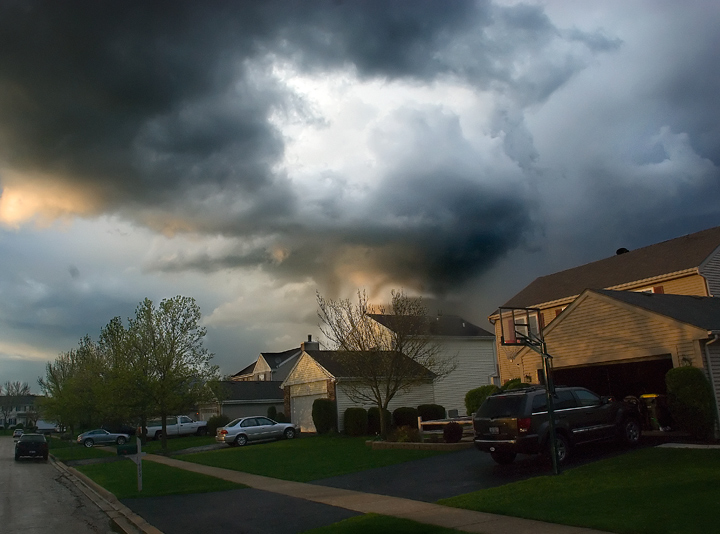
(164, 432)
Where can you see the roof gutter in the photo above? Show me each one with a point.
(715, 337)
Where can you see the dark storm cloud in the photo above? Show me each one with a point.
(164, 108)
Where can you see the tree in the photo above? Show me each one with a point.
(168, 340)
(10, 397)
(382, 361)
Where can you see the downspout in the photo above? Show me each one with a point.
(716, 337)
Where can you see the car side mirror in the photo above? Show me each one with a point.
(604, 399)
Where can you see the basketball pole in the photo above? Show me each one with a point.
(550, 393)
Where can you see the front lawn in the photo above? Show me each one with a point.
(74, 451)
(379, 524)
(176, 444)
(120, 478)
(650, 491)
(307, 458)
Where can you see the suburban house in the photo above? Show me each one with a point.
(617, 325)
(17, 410)
(322, 374)
(243, 398)
(270, 366)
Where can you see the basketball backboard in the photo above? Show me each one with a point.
(520, 326)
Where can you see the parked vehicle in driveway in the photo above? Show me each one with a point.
(517, 421)
(31, 446)
(101, 437)
(17, 433)
(244, 429)
(176, 425)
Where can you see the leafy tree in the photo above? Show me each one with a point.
(382, 361)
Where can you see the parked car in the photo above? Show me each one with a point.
(31, 446)
(244, 429)
(517, 421)
(17, 433)
(176, 425)
(101, 437)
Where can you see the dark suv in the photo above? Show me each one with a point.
(516, 421)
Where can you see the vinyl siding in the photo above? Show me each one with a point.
(422, 394)
(475, 365)
(686, 285)
(508, 369)
(600, 330)
(711, 271)
(306, 370)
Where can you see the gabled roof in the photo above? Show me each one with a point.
(703, 312)
(231, 390)
(442, 325)
(335, 361)
(247, 370)
(686, 252)
(276, 359)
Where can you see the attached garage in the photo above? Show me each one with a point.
(301, 411)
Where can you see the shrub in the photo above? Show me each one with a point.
(690, 400)
(356, 422)
(514, 383)
(215, 422)
(405, 434)
(272, 413)
(280, 418)
(405, 417)
(19, 426)
(452, 433)
(374, 420)
(324, 415)
(430, 412)
(475, 397)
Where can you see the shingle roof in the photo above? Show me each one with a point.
(670, 256)
(335, 361)
(703, 312)
(250, 390)
(442, 325)
(276, 359)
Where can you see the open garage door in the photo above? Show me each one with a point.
(301, 411)
(619, 379)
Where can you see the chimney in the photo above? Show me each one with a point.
(310, 344)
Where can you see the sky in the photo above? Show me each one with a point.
(253, 154)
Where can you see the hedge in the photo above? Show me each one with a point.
(430, 412)
(356, 422)
(405, 416)
(691, 402)
(374, 420)
(324, 415)
(215, 422)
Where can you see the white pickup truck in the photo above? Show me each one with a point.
(176, 425)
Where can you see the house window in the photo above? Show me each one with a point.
(659, 290)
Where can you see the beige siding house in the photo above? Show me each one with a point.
(688, 265)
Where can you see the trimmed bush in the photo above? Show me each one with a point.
(475, 397)
(690, 399)
(515, 383)
(280, 418)
(356, 422)
(215, 422)
(272, 413)
(405, 416)
(430, 412)
(324, 415)
(374, 420)
(452, 433)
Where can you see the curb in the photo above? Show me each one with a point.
(380, 445)
(124, 518)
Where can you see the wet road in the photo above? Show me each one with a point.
(36, 498)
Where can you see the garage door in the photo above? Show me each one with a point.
(301, 411)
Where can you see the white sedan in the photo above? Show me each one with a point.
(256, 428)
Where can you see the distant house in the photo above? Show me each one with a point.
(18, 410)
(243, 398)
(324, 374)
(687, 265)
(469, 347)
(270, 366)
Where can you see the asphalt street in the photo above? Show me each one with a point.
(36, 498)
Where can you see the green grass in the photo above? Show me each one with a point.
(120, 478)
(307, 458)
(77, 452)
(177, 444)
(651, 491)
(379, 524)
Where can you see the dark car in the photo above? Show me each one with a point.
(31, 446)
(517, 421)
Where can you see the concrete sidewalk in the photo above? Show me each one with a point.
(423, 512)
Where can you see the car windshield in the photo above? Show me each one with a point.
(501, 406)
(32, 437)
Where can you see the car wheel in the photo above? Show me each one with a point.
(88, 443)
(202, 431)
(562, 448)
(158, 435)
(121, 441)
(289, 433)
(17, 458)
(45, 457)
(241, 440)
(631, 432)
(503, 458)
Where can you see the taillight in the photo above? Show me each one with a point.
(223, 432)
(524, 424)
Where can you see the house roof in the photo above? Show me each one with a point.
(703, 312)
(442, 325)
(674, 255)
(273, 359)
(231, 390)
(336, 361)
